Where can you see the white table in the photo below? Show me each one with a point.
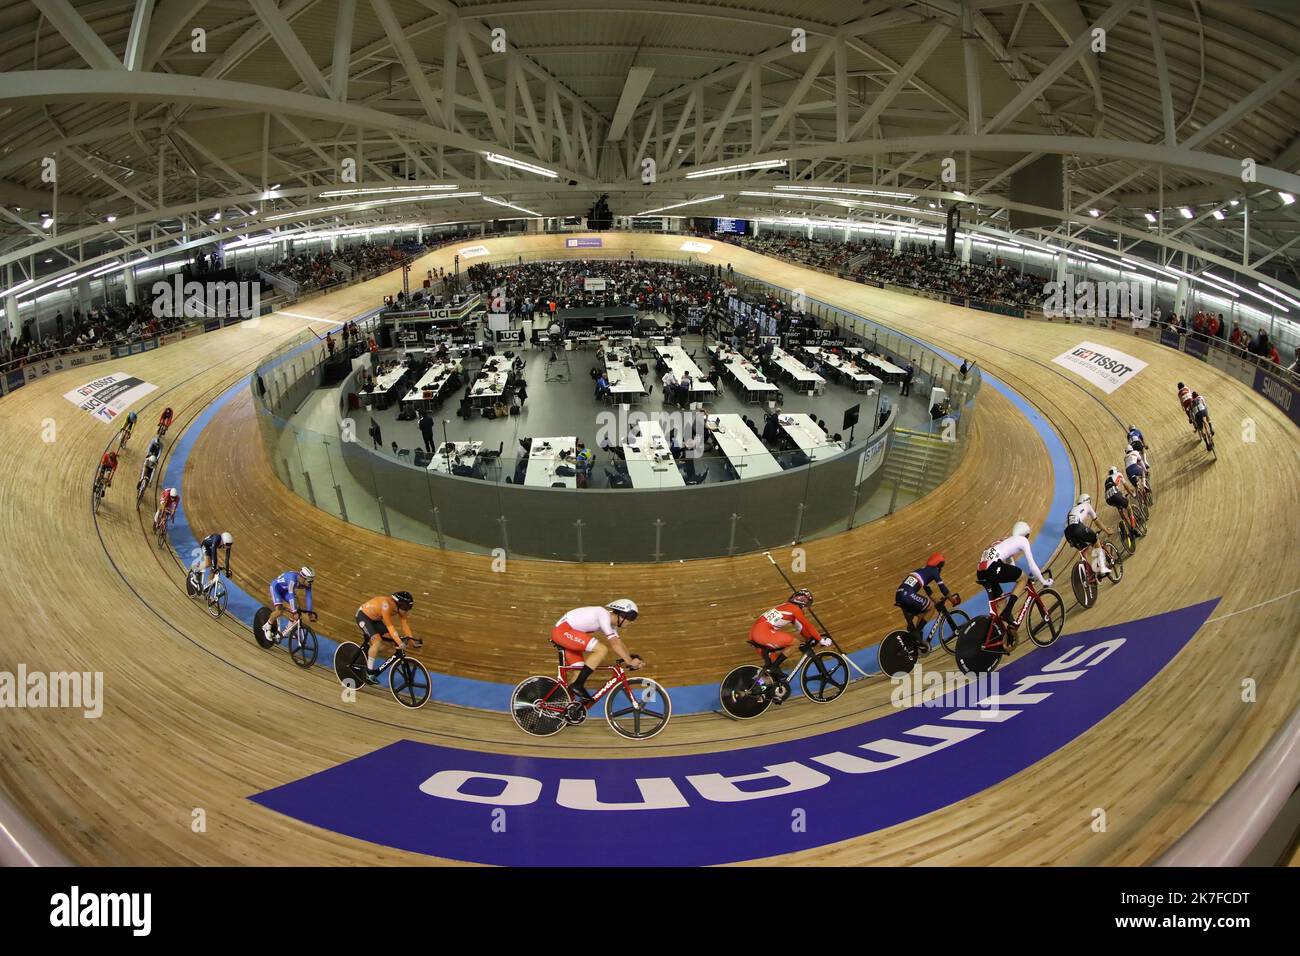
(466, 452)
(803, 376)
(861, 380)
(741, 446)
(886, 367)
(542, 462)
(746, 374)
(809, 436)
(681, 364)
(435, 378)
(650, 463)
(385, 384)
(624, 380)
(490, 388)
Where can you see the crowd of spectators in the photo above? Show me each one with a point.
(647, 286)
(320, 270)
(100, 327)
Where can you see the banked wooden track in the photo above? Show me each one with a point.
(197, 717)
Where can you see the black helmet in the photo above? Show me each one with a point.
(403, 600)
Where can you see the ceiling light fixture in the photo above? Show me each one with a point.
(739, 168)
(520, 164)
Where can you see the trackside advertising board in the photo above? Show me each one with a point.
(1105, 367)
(110, 395)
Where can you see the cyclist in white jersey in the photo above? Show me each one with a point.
(577, 632)
(997, 567)
(1135, 468)
(1079, 535)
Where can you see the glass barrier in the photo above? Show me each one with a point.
(629, 497)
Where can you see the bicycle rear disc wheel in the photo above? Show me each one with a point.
(350, 665)
(970, 655)
(408, 680)
(639, 709)
(739, 697)
(824, 677)
(303, 646)
(1045, 625)
(896, 655)
(1085, 586)
(538, 705)
(259, 621)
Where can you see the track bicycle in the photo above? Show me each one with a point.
(97, 493)
(160, 529)
(1085, 580)
(408, 681)
(141, 486)
(214, 594)
(900, 650)
(748, 690)
(1206, 432)
(298, 637)
(983, 642)
(636, 708)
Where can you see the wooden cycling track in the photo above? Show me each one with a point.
(197, 717)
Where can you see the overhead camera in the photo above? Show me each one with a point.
(598, 216)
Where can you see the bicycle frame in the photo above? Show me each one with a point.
(619, 677)
(1032, 598)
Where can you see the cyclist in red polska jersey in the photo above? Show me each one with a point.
(778, 629)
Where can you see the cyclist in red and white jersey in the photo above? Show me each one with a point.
(1079, 535)
(779, 628)
(997, 567)
(168, 502)
(577, 633)
(1185, 399)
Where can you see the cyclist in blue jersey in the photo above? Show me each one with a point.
(284, 597)
(909, 597)
(155, 448)
(127, 428)
(210, 547)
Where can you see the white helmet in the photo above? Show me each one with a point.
(173, 493)
(1021, 530)
(624, 607)
(306, 573)
(227, 538)
(1113, 472)
(1084, 499)
(151, 460)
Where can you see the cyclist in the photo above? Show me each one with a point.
(777, 629)
(997, 568)
(127, 428)
(1117, 491)
(1080, 536)
(1185, 399)
(146, 470)
(107, 468)
(164, 421)
(1138, 442)
(155, 447)
(1201, 414)
(375, 618)
(912, 602)
(579, 632)
(284, 597)
(210, 546)
(1134, 467)
(168, 502)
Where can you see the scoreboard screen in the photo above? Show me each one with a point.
(738, 226)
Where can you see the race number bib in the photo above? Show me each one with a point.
(991, 555)
(774, 617)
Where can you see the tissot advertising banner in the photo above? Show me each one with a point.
(110, 395)
(1105, 367)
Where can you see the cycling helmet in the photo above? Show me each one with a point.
(306, 574)
(403, 600)
(131, 417)
(1113, 472)
(1135, 445)
(151, 460)
(1021, 529)
(1196, 395)
(624, 607)
(173, 493)
(1084, 499)
(227, 538)
(1181, 385)
(934, 561)
(802, 598)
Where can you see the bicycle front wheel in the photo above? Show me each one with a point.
(539, 704)
(1046, 618)
(638, 709)
(409, 682)
(948, 625)
(1116, 562)
(824, 677)
(303, 646)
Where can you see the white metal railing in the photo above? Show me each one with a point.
(21, 844)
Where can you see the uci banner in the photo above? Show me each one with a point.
(1105, 367)
(110, 395)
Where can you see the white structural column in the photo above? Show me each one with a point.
(77, 32)
(136, 39)
(347, 10)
